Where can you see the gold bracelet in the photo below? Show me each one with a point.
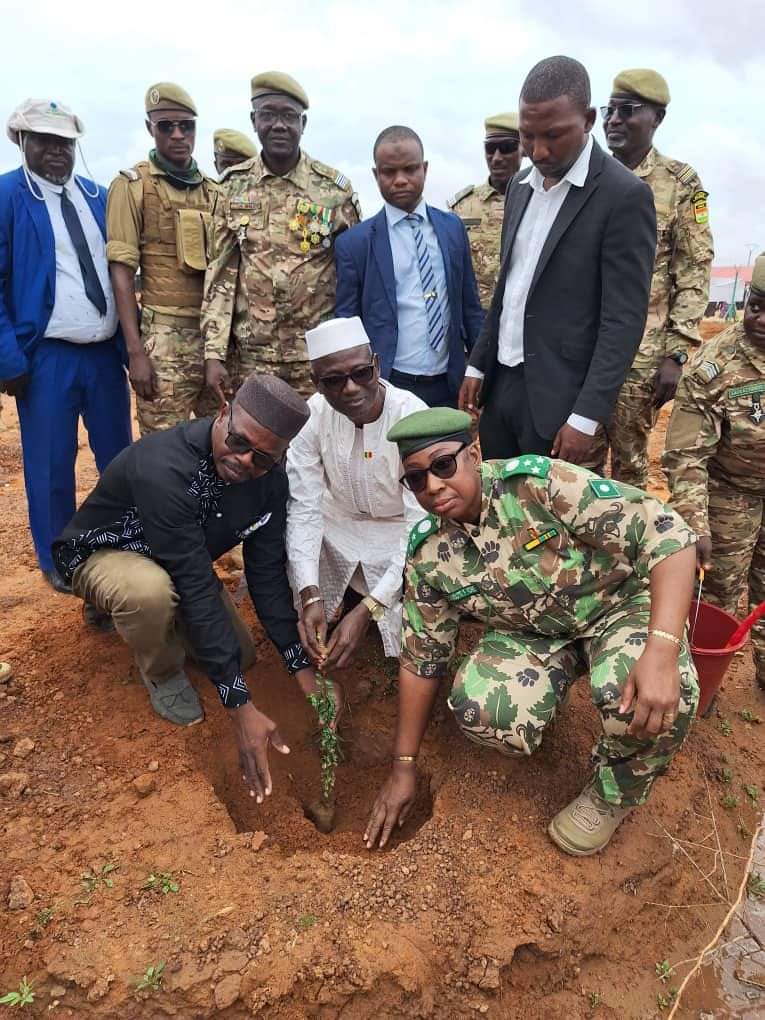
(310, 602)
(666, 635)
(405, 757)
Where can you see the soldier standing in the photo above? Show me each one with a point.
(715, 460)
(230, 148)
(481, 207)
(272, 267)
(680, 284)
(158, 216)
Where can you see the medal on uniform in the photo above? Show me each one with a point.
(538, 540)
(242, 232)
(757, 413)
(313, 224)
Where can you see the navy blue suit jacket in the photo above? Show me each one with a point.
(28, 268)
(366, 286)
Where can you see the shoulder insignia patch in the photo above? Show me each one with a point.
(131, 174)
(700, 206)
(604, 488)
(462, 193)
(341, 180)
(707, 371)
(422, 529)
(686, 174)
(529, 464)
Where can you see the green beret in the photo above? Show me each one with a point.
(165, 95)
(269, 82)
(643, 83)
(424, 428)
(501, 123)
(758, 274)
(227, 140)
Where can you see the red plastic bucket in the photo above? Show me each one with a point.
(713, 629)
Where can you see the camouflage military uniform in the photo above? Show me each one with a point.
(715, 464)
(161, 229)
(679, 295)
(557, 568)
(481, 208)
(272, 266)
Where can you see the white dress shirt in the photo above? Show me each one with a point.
(74, 316)
(538, 218)
(348, 516)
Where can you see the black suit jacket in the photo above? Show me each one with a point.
(587, 305)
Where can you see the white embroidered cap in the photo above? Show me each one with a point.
(335, 335)
(45, 116)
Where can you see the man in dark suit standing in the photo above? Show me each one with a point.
(571, 299)
(407, 273)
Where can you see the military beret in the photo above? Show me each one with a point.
(758, 274)
(166, 95)
(424, 428)
(227, 140)
(501, 122)
(644, 83)
(269, 82)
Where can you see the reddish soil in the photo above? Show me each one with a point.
(471, 912)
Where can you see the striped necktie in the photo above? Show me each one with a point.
(433, 311)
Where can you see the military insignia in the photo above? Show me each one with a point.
(707, 371)
(261, 521)
(242, 232)
(471, 221)
(604, 488)
(757, 413)
(462, 593)
(313, 224)
(154, 96)
(527, 465)
(243, 204)
(341, 181)
(422, 530)
(368, 454)
(746, 389)
(538, 540)
(700, 207)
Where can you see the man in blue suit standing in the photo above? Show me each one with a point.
(407, 273)
(61, 355)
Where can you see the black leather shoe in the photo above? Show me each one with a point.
(56, 581)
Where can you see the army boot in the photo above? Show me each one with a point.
(586, 824)
(175, 699)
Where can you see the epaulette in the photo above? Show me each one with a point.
(529, 464)
(131, 174)
(420, 531)
(706, 372)
(684, 172)
(460, 195)
(334, 175)
(237, 168)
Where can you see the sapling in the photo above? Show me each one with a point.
(322, 812)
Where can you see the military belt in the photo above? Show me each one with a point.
(162, 319)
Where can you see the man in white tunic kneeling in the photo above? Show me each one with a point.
(348, 517)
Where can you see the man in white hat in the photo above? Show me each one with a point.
(349, 517)
(61, 352)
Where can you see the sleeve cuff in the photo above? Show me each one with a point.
(234, 694)
(295, 658)
(306, 574)
(582, 424)
(116, 251)
(473, 373)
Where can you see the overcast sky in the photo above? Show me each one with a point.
(439, 67)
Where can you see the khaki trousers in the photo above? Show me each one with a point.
(142, 601)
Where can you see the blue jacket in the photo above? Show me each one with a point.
(366, 286)
(28, 269)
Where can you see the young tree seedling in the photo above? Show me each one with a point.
(323, 702)
(664, 971)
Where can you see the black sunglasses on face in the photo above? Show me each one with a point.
(443, 466)
(361, 376)
(506, 148)
(238, 444)
(166, 127)
(625, 110)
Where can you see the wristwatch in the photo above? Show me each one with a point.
(376, 609)
(679, 356)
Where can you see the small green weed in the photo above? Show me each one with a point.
(306, 921)
(725, 775)
(729, 801)
(23, 996)
(752, 792)
(595, 999)
(665, 1001)
(756, 886)
(42, 919)
(749, 716)
(151, 979)
(664, 970)
(161, 881)
(725, 728)
(94, 878)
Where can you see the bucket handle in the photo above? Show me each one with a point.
(698, 606)
(746, 625)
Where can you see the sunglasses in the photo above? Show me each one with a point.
(625, 110)
(166, 127)
(336, 383)
(507, 148)
(443, 466)
(238, 444)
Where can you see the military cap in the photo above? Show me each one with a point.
(166, 95)
(424, 428)
(267, 83)
(502, 122)
(644, 83)
(758, 274)
(227, 140)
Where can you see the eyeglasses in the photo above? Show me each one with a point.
(625, 110)
(443, 466)
(166, 127)
(506, 148)
(361, 376)
(290, 118)
(238, 444)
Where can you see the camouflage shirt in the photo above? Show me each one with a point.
(556, 549)
(684, 251)
(482, 208)
(717, 429)
(272, 268)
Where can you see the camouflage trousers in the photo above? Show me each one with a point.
(737, 526)
(504, 697)
(177, 353)
(630, 427)
(268, 359)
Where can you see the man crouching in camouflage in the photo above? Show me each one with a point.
(569, 572)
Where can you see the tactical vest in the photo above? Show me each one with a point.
(173, 242)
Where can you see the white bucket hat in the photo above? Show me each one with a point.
(45, 116)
